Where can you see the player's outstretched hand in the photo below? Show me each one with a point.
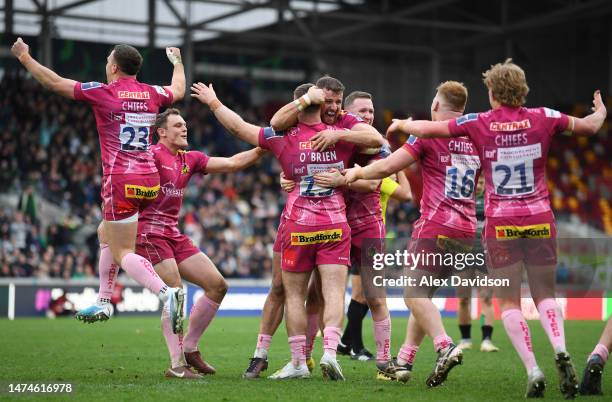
(286, 184)
(20, 48)
(324, 139)
(316, 95)
(353, 174)
(330, 179)
(598, 104)
(174, 55)
(397, 126)
(203, 93)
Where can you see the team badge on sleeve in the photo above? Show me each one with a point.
(466, 117)
(553, 114)
(160, 90)
(412, 139)
(90, 85)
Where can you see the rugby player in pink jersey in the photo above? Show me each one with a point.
(366, 220)
(173, 254)
(125, 110)
(272, 313)
(450, 170)
(520, 231)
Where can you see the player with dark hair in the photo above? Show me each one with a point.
(172, 253)
(520, 232)
(125, 110)
(272, 313)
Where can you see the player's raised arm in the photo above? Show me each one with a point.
(235, 163)
(286, 117)
(380, 169)
(228, 118)
(177, 86)
(590, 124)
(47, 77)
(421, 128)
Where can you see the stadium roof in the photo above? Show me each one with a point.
(384, 26)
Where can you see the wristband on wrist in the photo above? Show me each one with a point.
(24, 57)
(298, 105)
(215, 104)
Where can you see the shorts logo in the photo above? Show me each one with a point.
(510, 125)
(141, 192)
(525, 232)
(322, 236)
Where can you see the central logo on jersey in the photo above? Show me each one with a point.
(169, 190)
(133, 95)
(523, 232)
(141, 192)
(510, 125)
(322, 236)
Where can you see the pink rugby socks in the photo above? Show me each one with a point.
(551, 318)
(442, 341)
(202, 313)
(407, 354)
(382, 335)
(173, 341)
(263, 345)
(141, 270)
(298, 350)
(107, 270)
(518, 332)
(600, 350)
(331, 338)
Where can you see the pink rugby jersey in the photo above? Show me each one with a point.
(513, 144)
(125, 110)
(450, 169)
(162, 216)
(363, 208)
(309, 204)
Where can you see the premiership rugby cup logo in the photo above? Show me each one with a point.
(524, 232)
(141, 192)
(322, 236)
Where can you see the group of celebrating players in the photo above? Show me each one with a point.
(337, 171)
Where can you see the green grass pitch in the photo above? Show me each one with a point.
(124, 359)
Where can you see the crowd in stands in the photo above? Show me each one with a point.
(49, 150)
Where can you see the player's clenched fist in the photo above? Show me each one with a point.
(20, 48)
(174, 55)
(316, 95)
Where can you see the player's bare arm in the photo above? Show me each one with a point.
(590, 124)
(420, 128)
(361, 134)
(402, 192)
(228, 118)
(286, 117)
(235, 163)
(47, 77)
(380, 169)
(177, 86)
